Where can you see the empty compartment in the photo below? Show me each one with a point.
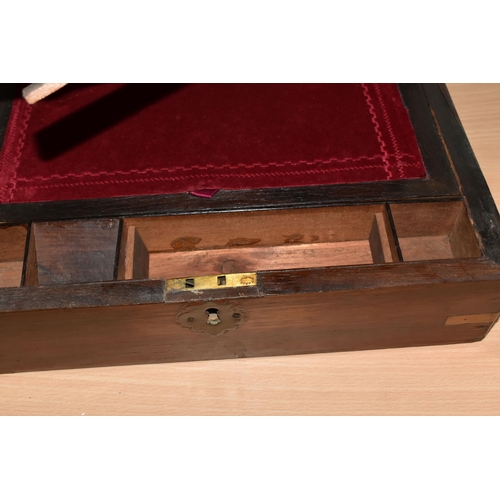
(431, 231)
(72, 252)
(224, 243)
(12, 250)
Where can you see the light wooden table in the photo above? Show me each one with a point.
(448, 380)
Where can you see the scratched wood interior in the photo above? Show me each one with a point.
(66, 251)
(439, 230)
(442, 380)
(12, 245)
(197, 245)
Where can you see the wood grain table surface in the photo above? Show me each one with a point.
(447, 380)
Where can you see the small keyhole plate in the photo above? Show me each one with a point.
(211, 318)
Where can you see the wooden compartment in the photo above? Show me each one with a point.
(432, 231)
(12, 250)
(72, 252)
(238, 242)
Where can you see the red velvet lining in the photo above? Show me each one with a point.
(93, 141)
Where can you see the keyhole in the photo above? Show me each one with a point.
(213, 316)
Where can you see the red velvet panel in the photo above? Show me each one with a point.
(104, 140)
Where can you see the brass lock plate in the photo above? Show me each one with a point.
(212, 282)
(211, 318)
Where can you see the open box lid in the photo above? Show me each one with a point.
(115, 149)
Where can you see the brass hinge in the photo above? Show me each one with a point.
(212, 282)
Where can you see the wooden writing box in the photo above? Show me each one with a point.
(152, 277)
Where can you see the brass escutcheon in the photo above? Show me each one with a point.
(211, 318)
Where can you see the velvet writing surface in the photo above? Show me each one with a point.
(105, 140)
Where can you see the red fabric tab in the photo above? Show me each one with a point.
(93, 141)
(204, 193)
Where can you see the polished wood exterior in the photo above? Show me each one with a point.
(343, 320)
